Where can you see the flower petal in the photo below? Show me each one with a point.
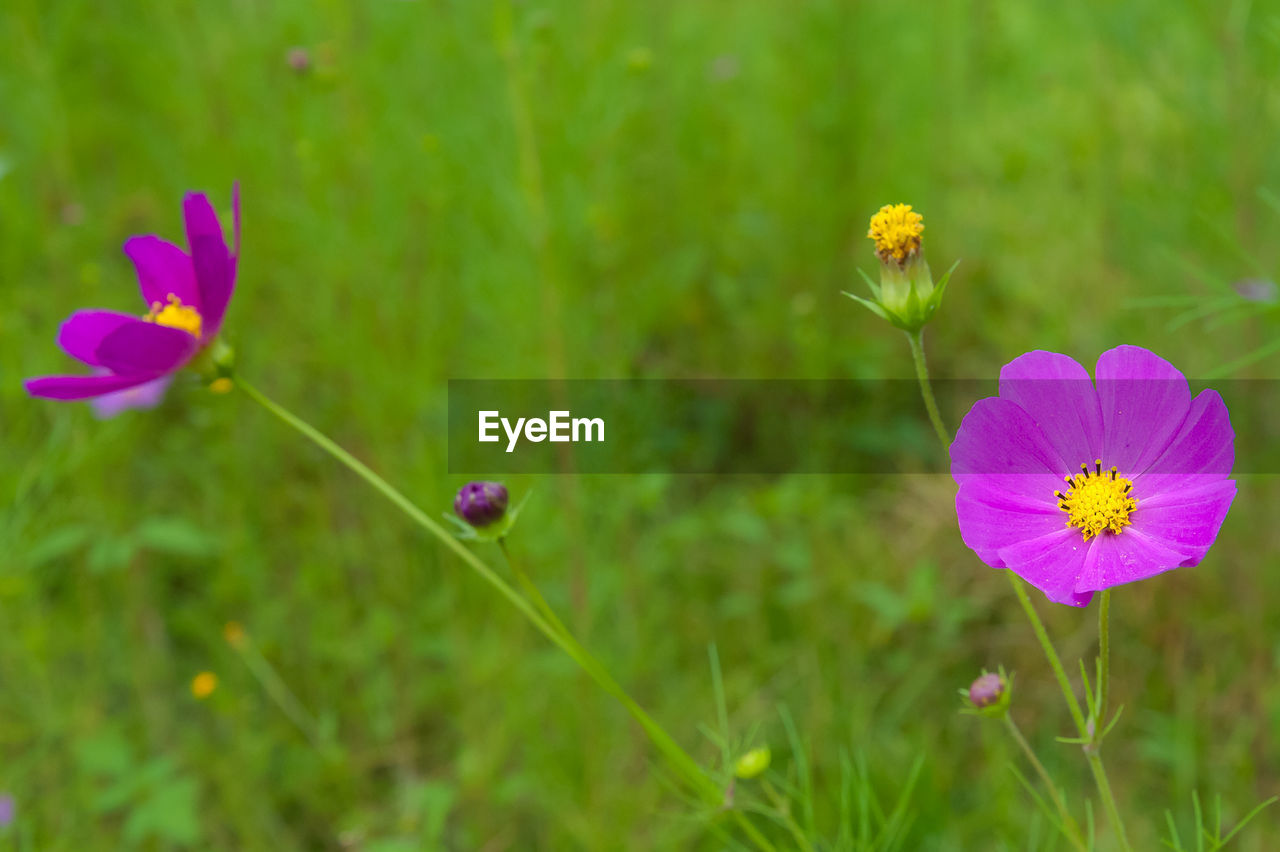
(163, 270)
(235, 215)
(82, 333)
(1187, 520)
(146, 395)
(82, 387)
(1000, 443)
(1059, 395)
(1202, 452)
(1052, 563)
(1116, 559)
(140, 347)
(214, 270)
(991, 518)
(1144, 401)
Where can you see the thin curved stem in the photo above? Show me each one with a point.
(685, 765)
(783, 815)
(1072, 828)
(1088, 728)
(1108, 799)
(1093, 748)
(279, 692)
(916, 338)
(532, 592)
(1073, 704)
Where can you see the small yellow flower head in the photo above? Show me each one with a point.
(906, 295)
(753, 763)
(896, 230)
(203, 685)
(221, 385)
(233, 633)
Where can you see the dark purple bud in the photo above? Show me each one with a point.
(481, 503)
(986, 690)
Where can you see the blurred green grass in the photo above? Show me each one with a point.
(596, 190)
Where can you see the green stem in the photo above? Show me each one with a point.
(1093, 748)
(1088, 729)
(916, 338)
(280, 693)
(1108, 800)
(1104, 660)
(1072, 829)
(783, 809)
(532, 592)
(1054, 662)
(531, 589)
(685, 765)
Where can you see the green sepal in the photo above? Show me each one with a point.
(875, 288)
(911, 313)
(215, 361)
(871, 306)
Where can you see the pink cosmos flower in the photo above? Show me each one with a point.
(187, 295)
(1077, 488)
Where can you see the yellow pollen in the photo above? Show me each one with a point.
(221, 385)
(175, 315)
(896, 230)
(1097, 500)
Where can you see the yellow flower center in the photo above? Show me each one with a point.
(896, 230)
(175, 315)
(1097, 501)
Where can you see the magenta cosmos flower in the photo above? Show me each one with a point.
(187, 294)
(1077, 488)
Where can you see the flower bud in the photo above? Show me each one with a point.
(906, 295)
(989, 695)
(986, 690)
(481, 503)
(753, 763)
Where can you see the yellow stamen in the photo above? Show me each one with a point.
(175, 315)
(896, 230)
(1097, 500)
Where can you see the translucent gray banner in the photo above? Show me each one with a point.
(776, 426)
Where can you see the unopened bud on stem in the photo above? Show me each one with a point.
(906, 295)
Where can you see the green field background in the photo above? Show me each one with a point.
(603, 190)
